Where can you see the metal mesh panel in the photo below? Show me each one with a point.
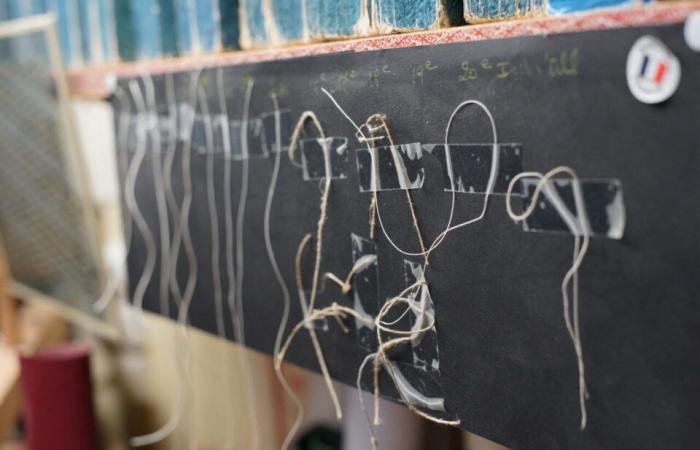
(42, 225)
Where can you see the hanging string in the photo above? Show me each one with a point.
(228, 203)
(239, 324)
(361, 264)
(214, 229)
(296, 134)
(213, 215)
(449, 227)
(311, 314)
(280, 281)
(379, 358)
(228, 230)
(183, 308)
(173, 207)
(309, 115)
(580, 227)
(373, 129)
(161, 206)
(132, 204)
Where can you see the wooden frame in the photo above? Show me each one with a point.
(76, 171)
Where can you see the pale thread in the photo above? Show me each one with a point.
(228, 214)
(360, 265)
(315, 279)
(380, 325)
(228, 230)
(449, 227)
(373, 215)
(161, 205)
(132, 204)
(239, 324)
(377, 123)
(379, 358)
(188, 245)
(280, 281)
(296, 134)
(297, 273)
(580, 227)
(213, 216)
(373, 195)
(308, 309)
(185, 300)
(168, 163)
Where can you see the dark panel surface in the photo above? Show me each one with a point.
(507, 367)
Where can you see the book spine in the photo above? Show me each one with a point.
(410, 15)
(125, 29)
(208, 25)
(560, 7)
(313, 30)
(228, 19)
(146, 17)
(184, 22)
(288, 19)
(252, 24)
(68, 26)
(108, 34)
(89, 32)
(341, 18)
(476, 11)
(168, 28)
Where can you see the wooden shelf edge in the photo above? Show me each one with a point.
(96, 82)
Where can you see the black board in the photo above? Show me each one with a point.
(507, 366)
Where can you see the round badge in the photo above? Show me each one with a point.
(691, 31)
(653, 72)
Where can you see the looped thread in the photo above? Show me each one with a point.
(293, 143)
(580, 228)
(449, 227)
(309, 308)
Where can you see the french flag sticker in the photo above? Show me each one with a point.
(653, 71)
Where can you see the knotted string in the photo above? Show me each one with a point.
(309, 308)
(374, 124)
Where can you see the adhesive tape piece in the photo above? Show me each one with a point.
(691, 31)
(653, 71)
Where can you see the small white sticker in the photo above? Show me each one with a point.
(653, 72)
(691, 31)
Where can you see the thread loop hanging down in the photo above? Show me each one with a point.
(580, 227)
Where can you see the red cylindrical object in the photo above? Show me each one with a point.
(58, 404)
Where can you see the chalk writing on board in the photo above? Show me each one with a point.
(374, 75)
(333, 83)
(418, 72)
(563, 64)
(278, 88)
(468, 72)
(245, 81)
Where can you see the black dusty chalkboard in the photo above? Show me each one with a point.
(507, 367)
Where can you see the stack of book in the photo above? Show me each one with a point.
(106, 31)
